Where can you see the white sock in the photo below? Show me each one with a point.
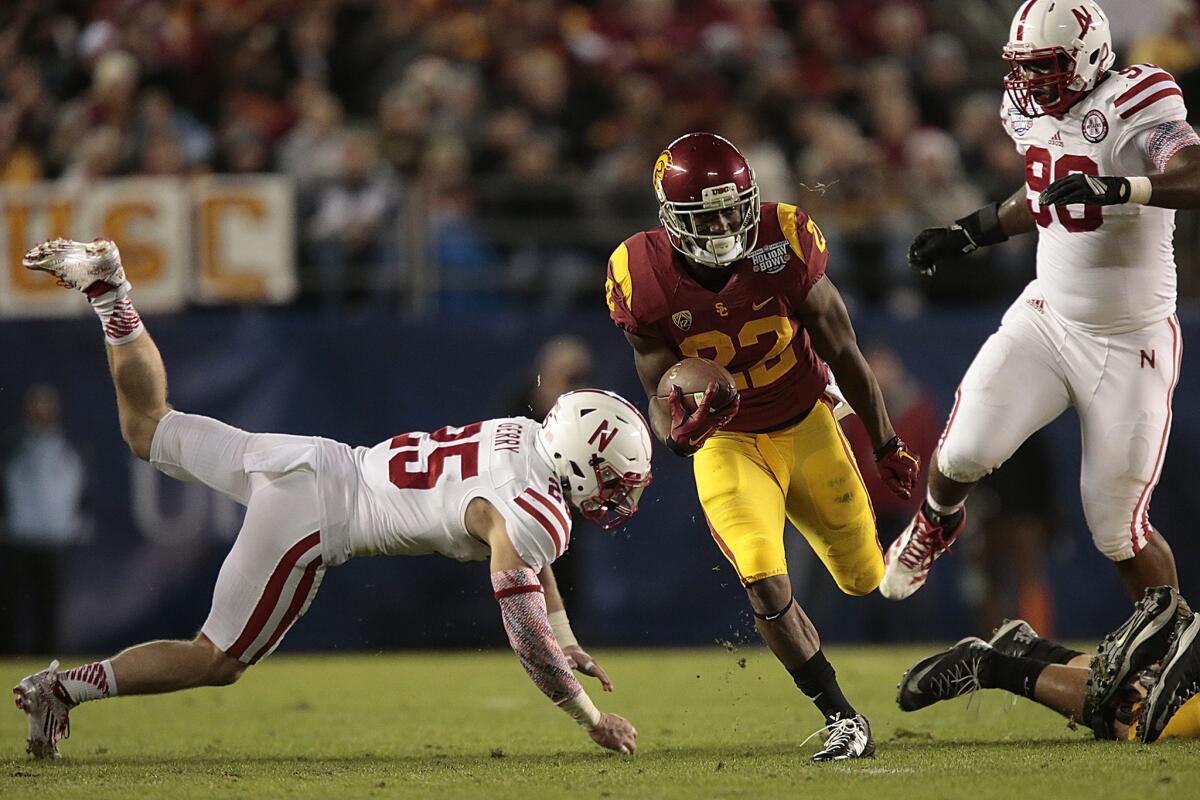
(943, 511)
(93, 681)
(118, 318)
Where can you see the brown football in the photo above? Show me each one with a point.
(692, 376)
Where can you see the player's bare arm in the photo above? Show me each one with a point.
(824, 316)
(1177, 186)
(560, 624)
(523, 606)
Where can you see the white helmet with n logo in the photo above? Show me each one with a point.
(600, 447)
(1057, 51)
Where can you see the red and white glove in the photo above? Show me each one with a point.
(898, 466)
(689, 431)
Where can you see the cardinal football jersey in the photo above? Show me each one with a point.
(1107, 269)
(748, 326)
(409, 494)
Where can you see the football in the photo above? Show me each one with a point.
(692, 376)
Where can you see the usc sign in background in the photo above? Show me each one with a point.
(208, 240)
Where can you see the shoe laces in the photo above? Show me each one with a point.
(960, 679)
(841, 733)
(922, 548)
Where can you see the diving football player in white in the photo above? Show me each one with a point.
(1108, 156)
(500, 490)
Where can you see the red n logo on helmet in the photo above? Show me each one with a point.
(604, 435)
(1084, 18)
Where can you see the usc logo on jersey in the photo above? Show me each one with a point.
(722, 309)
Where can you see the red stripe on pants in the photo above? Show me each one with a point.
(270, 596)
(302, 590)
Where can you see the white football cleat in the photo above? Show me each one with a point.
(908, 561)
(848, 738)
(46, 705)
(79, 265)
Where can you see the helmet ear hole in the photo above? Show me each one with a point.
(1095, 56)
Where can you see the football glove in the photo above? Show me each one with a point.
(1092, 190)
(898, 466)
(689, 431)
(935, 245)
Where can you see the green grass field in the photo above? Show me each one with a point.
(712, 723)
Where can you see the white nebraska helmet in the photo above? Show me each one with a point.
(1057, 52)
(600, 447)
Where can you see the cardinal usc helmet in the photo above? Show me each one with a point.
(1057, 51)
(599, 445)
(708, 199)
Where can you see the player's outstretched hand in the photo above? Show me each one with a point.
(933, 246)
(898, 466)
(1094, 190)
(580, 660)
(689, 431)
(615, 733)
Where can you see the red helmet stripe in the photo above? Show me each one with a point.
(1024, 13)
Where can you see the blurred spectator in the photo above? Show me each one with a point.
(43, 488)
(353, 227)
(562, 364)
(835, 96)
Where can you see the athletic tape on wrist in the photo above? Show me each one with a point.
(1140, 189)
(583, 710)
(562, 629)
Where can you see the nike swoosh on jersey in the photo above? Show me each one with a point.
(758, 306)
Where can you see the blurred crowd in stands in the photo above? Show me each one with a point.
(504, 147)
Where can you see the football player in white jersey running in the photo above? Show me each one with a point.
(1108, 156)
(500, 490)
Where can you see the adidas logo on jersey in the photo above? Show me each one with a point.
(1056, 139)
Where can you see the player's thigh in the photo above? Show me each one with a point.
(199, 449)
(1125, 427)
(829, 504)
(273, 570)
(743, 504)
(1013, 388)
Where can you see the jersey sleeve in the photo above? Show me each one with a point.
(618, 291)
(808, 245)
(1146, 98)
(538, 527)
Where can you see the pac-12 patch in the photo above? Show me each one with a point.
(1095, 126)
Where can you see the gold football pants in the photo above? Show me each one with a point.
(749, 482)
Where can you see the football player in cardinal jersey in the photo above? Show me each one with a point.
(500, 490)
(743, 282)
(1108, 156)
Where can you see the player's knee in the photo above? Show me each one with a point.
(770, 594)
(221, 669)
(963, 463)
(863, 579)
(138, 433)
(1112, 528)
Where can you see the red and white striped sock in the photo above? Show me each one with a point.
(93, 681)
(118, 318)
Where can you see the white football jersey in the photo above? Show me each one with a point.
(409, 494)
(1107, 269)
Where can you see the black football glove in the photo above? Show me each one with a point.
(1092, 190)
(936, 245)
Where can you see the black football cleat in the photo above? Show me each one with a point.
(1014, 637)
(944, 676)
(1178, 682)
(1141, 641)
(848, 738)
